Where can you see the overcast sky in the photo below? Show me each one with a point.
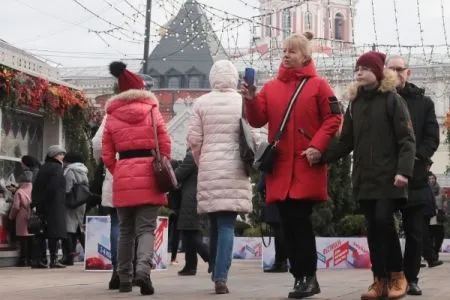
(60, 29)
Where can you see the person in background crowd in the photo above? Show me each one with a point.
(416, 215)
(75, 173)
(32, 164)
(188, 218)
(49, 197)
(295, 184)
(380, 170)
(272, 217)
(223, 188)
(20, 212)
(436, 227)
(107, 202)
(136, 195)
(174, 237)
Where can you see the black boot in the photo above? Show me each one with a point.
(187, 272)
(114, 283)
(278, 267)
(304, 289)
(414, 289)
(144, 282)
(125, 287)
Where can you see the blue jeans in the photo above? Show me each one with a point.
(221, 238)
(114, 236)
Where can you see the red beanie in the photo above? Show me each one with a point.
(127, 80)
(374, 61)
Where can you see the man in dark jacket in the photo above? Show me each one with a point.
(426, 130)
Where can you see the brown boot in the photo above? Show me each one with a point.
(375, 290)
(397, 285)
(221, 288)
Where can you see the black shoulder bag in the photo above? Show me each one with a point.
(266, 154)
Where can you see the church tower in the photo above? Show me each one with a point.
(329, 20)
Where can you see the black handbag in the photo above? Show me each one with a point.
(79, 195)
(441, 216)
(267, 152)
(246, 142)
(35, 223)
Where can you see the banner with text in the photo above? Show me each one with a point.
(247, 248)
(332, 253)
(97, 255)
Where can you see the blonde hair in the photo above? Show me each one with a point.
(301, 42)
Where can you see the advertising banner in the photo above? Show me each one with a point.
(97, 255)
(332, 253)
(247, 248)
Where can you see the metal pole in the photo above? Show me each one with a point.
(148, 18)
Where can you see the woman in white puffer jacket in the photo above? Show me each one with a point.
(108, 204)
(223, 188)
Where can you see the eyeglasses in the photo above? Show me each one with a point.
(397, 69)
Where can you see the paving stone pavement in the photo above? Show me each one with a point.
(246, 282)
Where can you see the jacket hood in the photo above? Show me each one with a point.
(77, 168)
(292, 74)
(388, 83)
(411, 89)
(223, 76)
(131, 106)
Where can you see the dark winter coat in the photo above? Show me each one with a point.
(186, 174)
(382, 139)
(48, 195)
(426, 131)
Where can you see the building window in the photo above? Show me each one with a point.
(339, 27)
(21, 135)
(269, 25)
(156, 84)
(194, 82)
(174, 82)
(286, 23)
(308, 21)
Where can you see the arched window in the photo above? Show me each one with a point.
(194, 82)
(286, 23)
(308, 21)
(339, 27)
(174, 82)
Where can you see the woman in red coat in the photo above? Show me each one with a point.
(295, 184)
(129, 134)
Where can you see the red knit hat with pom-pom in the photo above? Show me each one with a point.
(127, 79)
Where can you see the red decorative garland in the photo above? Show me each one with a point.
(19, 90)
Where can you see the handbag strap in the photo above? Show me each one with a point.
(288, 111)
(155, 131)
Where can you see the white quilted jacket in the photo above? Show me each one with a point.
(214, 139)
(97, 152)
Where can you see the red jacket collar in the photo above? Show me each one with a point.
(285, 74)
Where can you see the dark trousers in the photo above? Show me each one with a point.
(382, 237)
(39, 249)
(415, 227)
(174, 234)
(193, 244)
(437, 235)
(280, 247)
(300, 241)
(26, 248)
(429, 252)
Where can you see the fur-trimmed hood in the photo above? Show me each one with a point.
(132, 105)
(389, 83)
